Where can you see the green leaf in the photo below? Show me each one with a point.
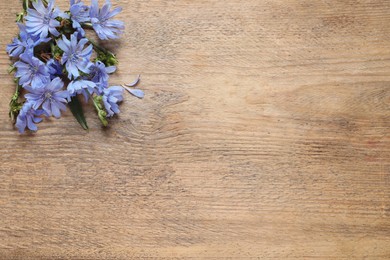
(77, 111)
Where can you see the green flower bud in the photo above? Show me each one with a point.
(102, 116)
(98, 99)
(112, 60)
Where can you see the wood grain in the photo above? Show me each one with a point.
(264, 133)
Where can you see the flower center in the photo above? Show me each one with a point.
(46, 19)
(74, 57)
(33, 70)
(48, 95)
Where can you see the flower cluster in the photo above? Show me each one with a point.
(54, 62)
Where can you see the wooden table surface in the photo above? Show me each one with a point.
(264, 133)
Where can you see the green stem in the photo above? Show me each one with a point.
(26, 4)
(97, 105)
(17, 92)
(19, 17)
(14, 105)
(52, 48)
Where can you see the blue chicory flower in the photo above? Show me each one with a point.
(24, 43)
(99, 74)
(79, 13)
(102, 23)
(31, 71)
(55, 68)
(75, 57)
(21, 43)
(82, 86)
(28, 117)
(111, 96)
(52, 97)
(42, 20)
(16, 47)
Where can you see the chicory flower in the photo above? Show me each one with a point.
(55, 68)
(31, 71)
(85, 87)
(28, 117)
(52, 97)
(111, 97)
(79, 13)
(75, 57)
(24, 43)
(99, 74)
(21, 43)
(101, 21)
(42, 20)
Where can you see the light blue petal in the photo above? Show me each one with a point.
(135, 82)
(30, 124)
(136, 92)
(55, 110)
(46, 107)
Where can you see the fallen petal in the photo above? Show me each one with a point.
(135, 92)
(135, 82)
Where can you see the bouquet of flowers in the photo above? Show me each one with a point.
(55, 62)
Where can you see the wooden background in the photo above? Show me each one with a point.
(264, 133)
